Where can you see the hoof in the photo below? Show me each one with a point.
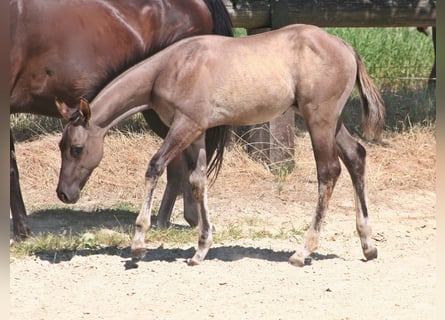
(296, 260)
(193, 262)
(370, 253)
(192, 222)
(162, 226)
(137, 254)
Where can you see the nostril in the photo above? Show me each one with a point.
(62, 196)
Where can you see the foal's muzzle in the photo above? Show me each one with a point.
(66, 197)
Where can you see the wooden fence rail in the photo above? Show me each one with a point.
(253, 14)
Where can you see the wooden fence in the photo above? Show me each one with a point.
(253, 14)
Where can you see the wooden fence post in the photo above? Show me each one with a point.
(275, 142)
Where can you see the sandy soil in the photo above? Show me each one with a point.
(246, 278)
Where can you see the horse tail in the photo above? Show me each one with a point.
(373, 109)
(222, 23)
(217, 137)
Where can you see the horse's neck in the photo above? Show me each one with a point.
(126, 95)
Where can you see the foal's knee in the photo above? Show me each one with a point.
(155, 169)
(357, 160)
(198, 183)
(330, 172)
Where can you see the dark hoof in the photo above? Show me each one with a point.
(370, 253)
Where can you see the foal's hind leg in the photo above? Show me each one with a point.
(353, 155)
(328, 170)
(196, 156)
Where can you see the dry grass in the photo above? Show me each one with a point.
(407, 161)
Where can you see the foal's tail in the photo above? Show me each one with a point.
(216, 138)
(373, 109)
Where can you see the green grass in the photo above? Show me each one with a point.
(394, 57)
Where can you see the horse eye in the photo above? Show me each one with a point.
(76, 151)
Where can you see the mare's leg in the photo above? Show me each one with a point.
(176, 177)
(18, 211)
(172, 189)
(196, 156)
(353, 155)
(328, 170)
(180, 136)
(177, 182)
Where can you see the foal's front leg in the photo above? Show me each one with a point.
(143, 221)
(181, 134)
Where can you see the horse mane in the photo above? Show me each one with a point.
(222, 23)
(91, 87)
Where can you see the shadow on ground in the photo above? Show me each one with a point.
(67, 221)
(222, 253)
(62, 221)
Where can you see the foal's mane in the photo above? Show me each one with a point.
(92, 86)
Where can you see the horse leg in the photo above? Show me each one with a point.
(197, 161)
(191, 214)
(178, 138)
(328, 171)
(172, 189)
(18, 210)
(353, 155)
(176, 176)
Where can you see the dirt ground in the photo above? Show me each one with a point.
(247, 278)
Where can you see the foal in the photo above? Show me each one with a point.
(208, 81)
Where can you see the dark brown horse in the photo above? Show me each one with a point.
(432, 77)
(72, 49)
(208, 81)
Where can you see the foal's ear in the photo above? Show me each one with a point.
(65, 111)
(85, 111)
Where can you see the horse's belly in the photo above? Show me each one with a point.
(251, 110)
(253, 103)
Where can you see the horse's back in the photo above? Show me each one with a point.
(275, 70)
